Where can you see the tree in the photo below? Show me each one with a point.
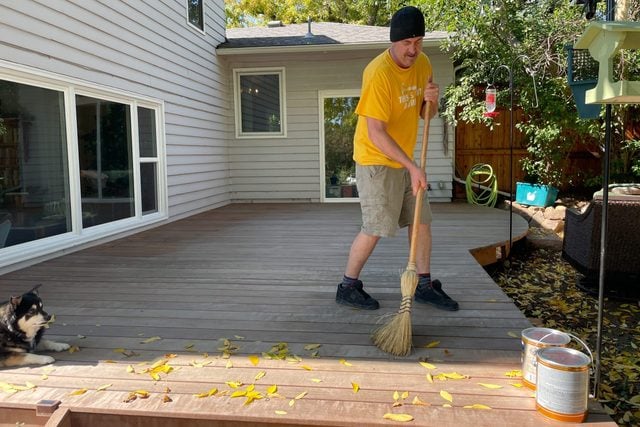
(258, 12)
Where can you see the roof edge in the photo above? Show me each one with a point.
(222, 51)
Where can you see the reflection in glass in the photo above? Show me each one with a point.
(340, 122)
(260, 103)
(105, 154)
(34, 185)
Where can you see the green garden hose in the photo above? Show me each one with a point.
(481, 176)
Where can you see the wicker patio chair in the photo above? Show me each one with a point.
(581, 245)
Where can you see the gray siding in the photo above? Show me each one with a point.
(285, 169)
(145, 47)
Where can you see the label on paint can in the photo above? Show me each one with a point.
(562, 383)
(533, 339)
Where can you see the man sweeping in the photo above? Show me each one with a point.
(396, 86)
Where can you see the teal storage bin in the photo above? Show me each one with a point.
(535, 194)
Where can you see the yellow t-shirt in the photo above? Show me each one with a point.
(394, 95)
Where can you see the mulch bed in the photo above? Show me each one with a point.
(543, 286)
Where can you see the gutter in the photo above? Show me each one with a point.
(325, 48)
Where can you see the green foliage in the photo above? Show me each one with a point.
(339, 128)
(258, 12)
(521, 37)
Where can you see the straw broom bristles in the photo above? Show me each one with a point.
(395, 337)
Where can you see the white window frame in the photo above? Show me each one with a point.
(78, 235)
(195, 27)
(240, 72)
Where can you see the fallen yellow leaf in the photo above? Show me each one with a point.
(355, 387)
(429, 378)
(432, 344)
(78, 392)
(150, 340)
(166, 399)
(316, 380)
(301, 395)
(416, 401)
(131, 370)
(254, 360)
(279, 412)
(272, 390)
(239, 393)
(206, 393)
(396, 395)
(514, 373)
(517, 385)
(260, 375)
(398, 417)
(446, 396)
(427, 365)
(490, 386)
(103, 387)
(234, 384)
(345, 363)
(229, 364)
(307, 368)
(477, 406)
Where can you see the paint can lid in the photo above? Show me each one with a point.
(563, 357)
(546, 336)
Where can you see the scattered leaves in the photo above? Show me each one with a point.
(150, 340)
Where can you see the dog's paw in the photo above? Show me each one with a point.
(47, 345)
(37, 359)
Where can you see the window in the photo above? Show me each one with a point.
(260, 103)
(195, 12)
(34, 185)
(50, 186)
(106, 160)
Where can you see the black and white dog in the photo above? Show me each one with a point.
(22, 324)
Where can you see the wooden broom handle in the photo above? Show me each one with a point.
(420, 195)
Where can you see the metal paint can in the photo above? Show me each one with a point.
(534, 339)
(562, 384)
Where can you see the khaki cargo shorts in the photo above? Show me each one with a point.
(386, 200)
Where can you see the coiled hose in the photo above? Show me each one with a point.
(481, 176)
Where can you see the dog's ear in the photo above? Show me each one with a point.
(15, 301)
(35, 289)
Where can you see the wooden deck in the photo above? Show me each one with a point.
(258, 275)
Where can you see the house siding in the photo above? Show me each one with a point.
(147, 48)
(288, 168)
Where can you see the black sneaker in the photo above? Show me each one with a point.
(435, 296)
(355, 296)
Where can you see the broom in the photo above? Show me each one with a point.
(395, 336)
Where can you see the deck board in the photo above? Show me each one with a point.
(259, 275)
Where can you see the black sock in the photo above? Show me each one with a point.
(424, 280)
(349, 281)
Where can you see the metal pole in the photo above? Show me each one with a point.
(610, 16)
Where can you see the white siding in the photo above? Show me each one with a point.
(288, 169)
(144, 47)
